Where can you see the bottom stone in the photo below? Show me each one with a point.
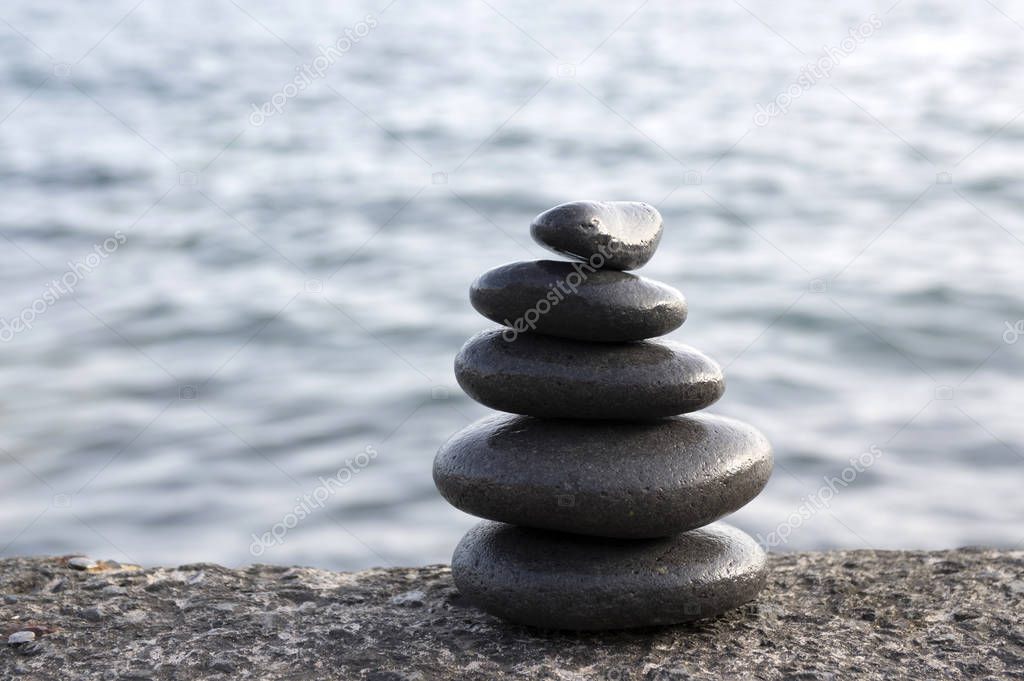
(563, 581)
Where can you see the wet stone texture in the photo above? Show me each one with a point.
(565, 581)
(618, 235)
(549, 377)
(569, 300)
(604, 478)
(836, 615)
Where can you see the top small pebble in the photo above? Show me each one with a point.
(614, 235)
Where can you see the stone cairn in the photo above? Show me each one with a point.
(599, 497)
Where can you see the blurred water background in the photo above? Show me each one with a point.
(270, 258)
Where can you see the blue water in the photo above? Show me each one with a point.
(268, 302)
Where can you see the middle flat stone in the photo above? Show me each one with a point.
(628, 480)
(550, 377)
(574, 300)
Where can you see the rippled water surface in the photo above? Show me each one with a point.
(262, 297)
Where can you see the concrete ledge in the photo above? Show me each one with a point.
(841, 615)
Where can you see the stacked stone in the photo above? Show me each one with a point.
(600, 498)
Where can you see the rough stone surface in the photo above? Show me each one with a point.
(836, 615)
(564, 581)
(605, 478)
(571, 300)
(617, 235)
(549, 377)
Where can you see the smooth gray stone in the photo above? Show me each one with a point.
(609, 479)
(550, 377)
(574, 300)
(616, 235)
(564, 581)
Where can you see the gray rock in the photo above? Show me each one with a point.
(19, 637)
(811, 621)
(616, 235)
(92, 614)
(551, 377)
(222, 664)
(574, 300)
(649, 479)
(409, 599)
(563, 581)
(82, 563)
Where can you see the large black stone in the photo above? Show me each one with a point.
(610, 479)
(551, 377)
(574, 300)
(564, 581)
(617, 235)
